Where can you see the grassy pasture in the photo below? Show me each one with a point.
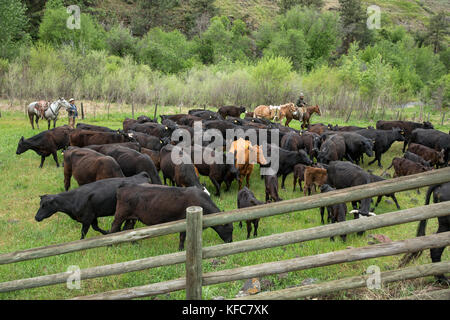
(21, 183)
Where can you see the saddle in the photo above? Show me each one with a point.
(41, 106)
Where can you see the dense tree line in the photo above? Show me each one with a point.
(177, 38)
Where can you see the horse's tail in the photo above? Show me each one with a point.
(407, 258)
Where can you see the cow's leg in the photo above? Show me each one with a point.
(217, 185)
(55, 157)
(322, 212)
(84, 229)
(378, 201)
(48, 124)
(67, 176)
(54, 123)
(395, 200)
(95, 226)
(117, 223)
(182, 238)
(255, 225)
(249, 228)
(42, 161)
(283, 178)
(129, 224)
(295, 182)
(436, 253)
(405, 143)
(247, 178)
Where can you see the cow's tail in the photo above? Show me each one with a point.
(408, 258)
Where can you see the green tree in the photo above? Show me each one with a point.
(13, 26)
(169, 52)
(54, 29)
(437, 30)
(353, 19)
(120, 41)
(286, 5)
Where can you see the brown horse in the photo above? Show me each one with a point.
(275, 113)
(308, 113)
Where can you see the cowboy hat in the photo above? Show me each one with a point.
(71, 99)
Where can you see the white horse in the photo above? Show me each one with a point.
(50, 114)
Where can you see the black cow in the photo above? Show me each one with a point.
(336, 212)
(287, 160)
(152, 204)
(434, 139)
(130, 161)
(88, 202)
(85, 126)
(245, 199)
(344, 174)
(357, 145)
(441, 193)
(217, 172)
(154, 129)
(46, 143)
(333, 149)
(383, 140)
(150, 142)
(407, 126)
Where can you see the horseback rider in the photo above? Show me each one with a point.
(301, 102)
(73, 113)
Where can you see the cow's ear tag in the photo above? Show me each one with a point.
(167, 128)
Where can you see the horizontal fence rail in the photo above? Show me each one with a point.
(265, 269)
(271, 209)
(328, 287)
(266, 242)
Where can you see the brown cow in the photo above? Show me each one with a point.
(82, 138)
(154, 155)
(232, 111)
(314, 177)
(245, 155)
(299, 174)
(87, 166)
(271, 183)
(434, 157)
(405, 167)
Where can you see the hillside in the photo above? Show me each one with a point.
(413, 14)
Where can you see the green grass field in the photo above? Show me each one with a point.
(21, 183)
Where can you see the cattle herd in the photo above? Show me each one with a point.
(118, 170)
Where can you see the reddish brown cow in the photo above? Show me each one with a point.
(314, 177)
(434, 157)
(271, 183)
(87, 166)
(299, 174)
(405, 167)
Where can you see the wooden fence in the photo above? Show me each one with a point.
(194, 253)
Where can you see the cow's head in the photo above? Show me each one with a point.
(303, 156)
(399, 134)
(427, 125)
(47, 208)
(241, 109)
(21, 146)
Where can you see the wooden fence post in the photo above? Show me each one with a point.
(194, 227)
(82, 111)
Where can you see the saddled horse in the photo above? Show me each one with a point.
(276, 113)
(308, 112)
(35, 110)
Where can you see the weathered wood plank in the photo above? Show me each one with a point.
(378, 250)
(328, 287)
(443, 294)
(325, 231)
(194, 253)
(344, 195)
